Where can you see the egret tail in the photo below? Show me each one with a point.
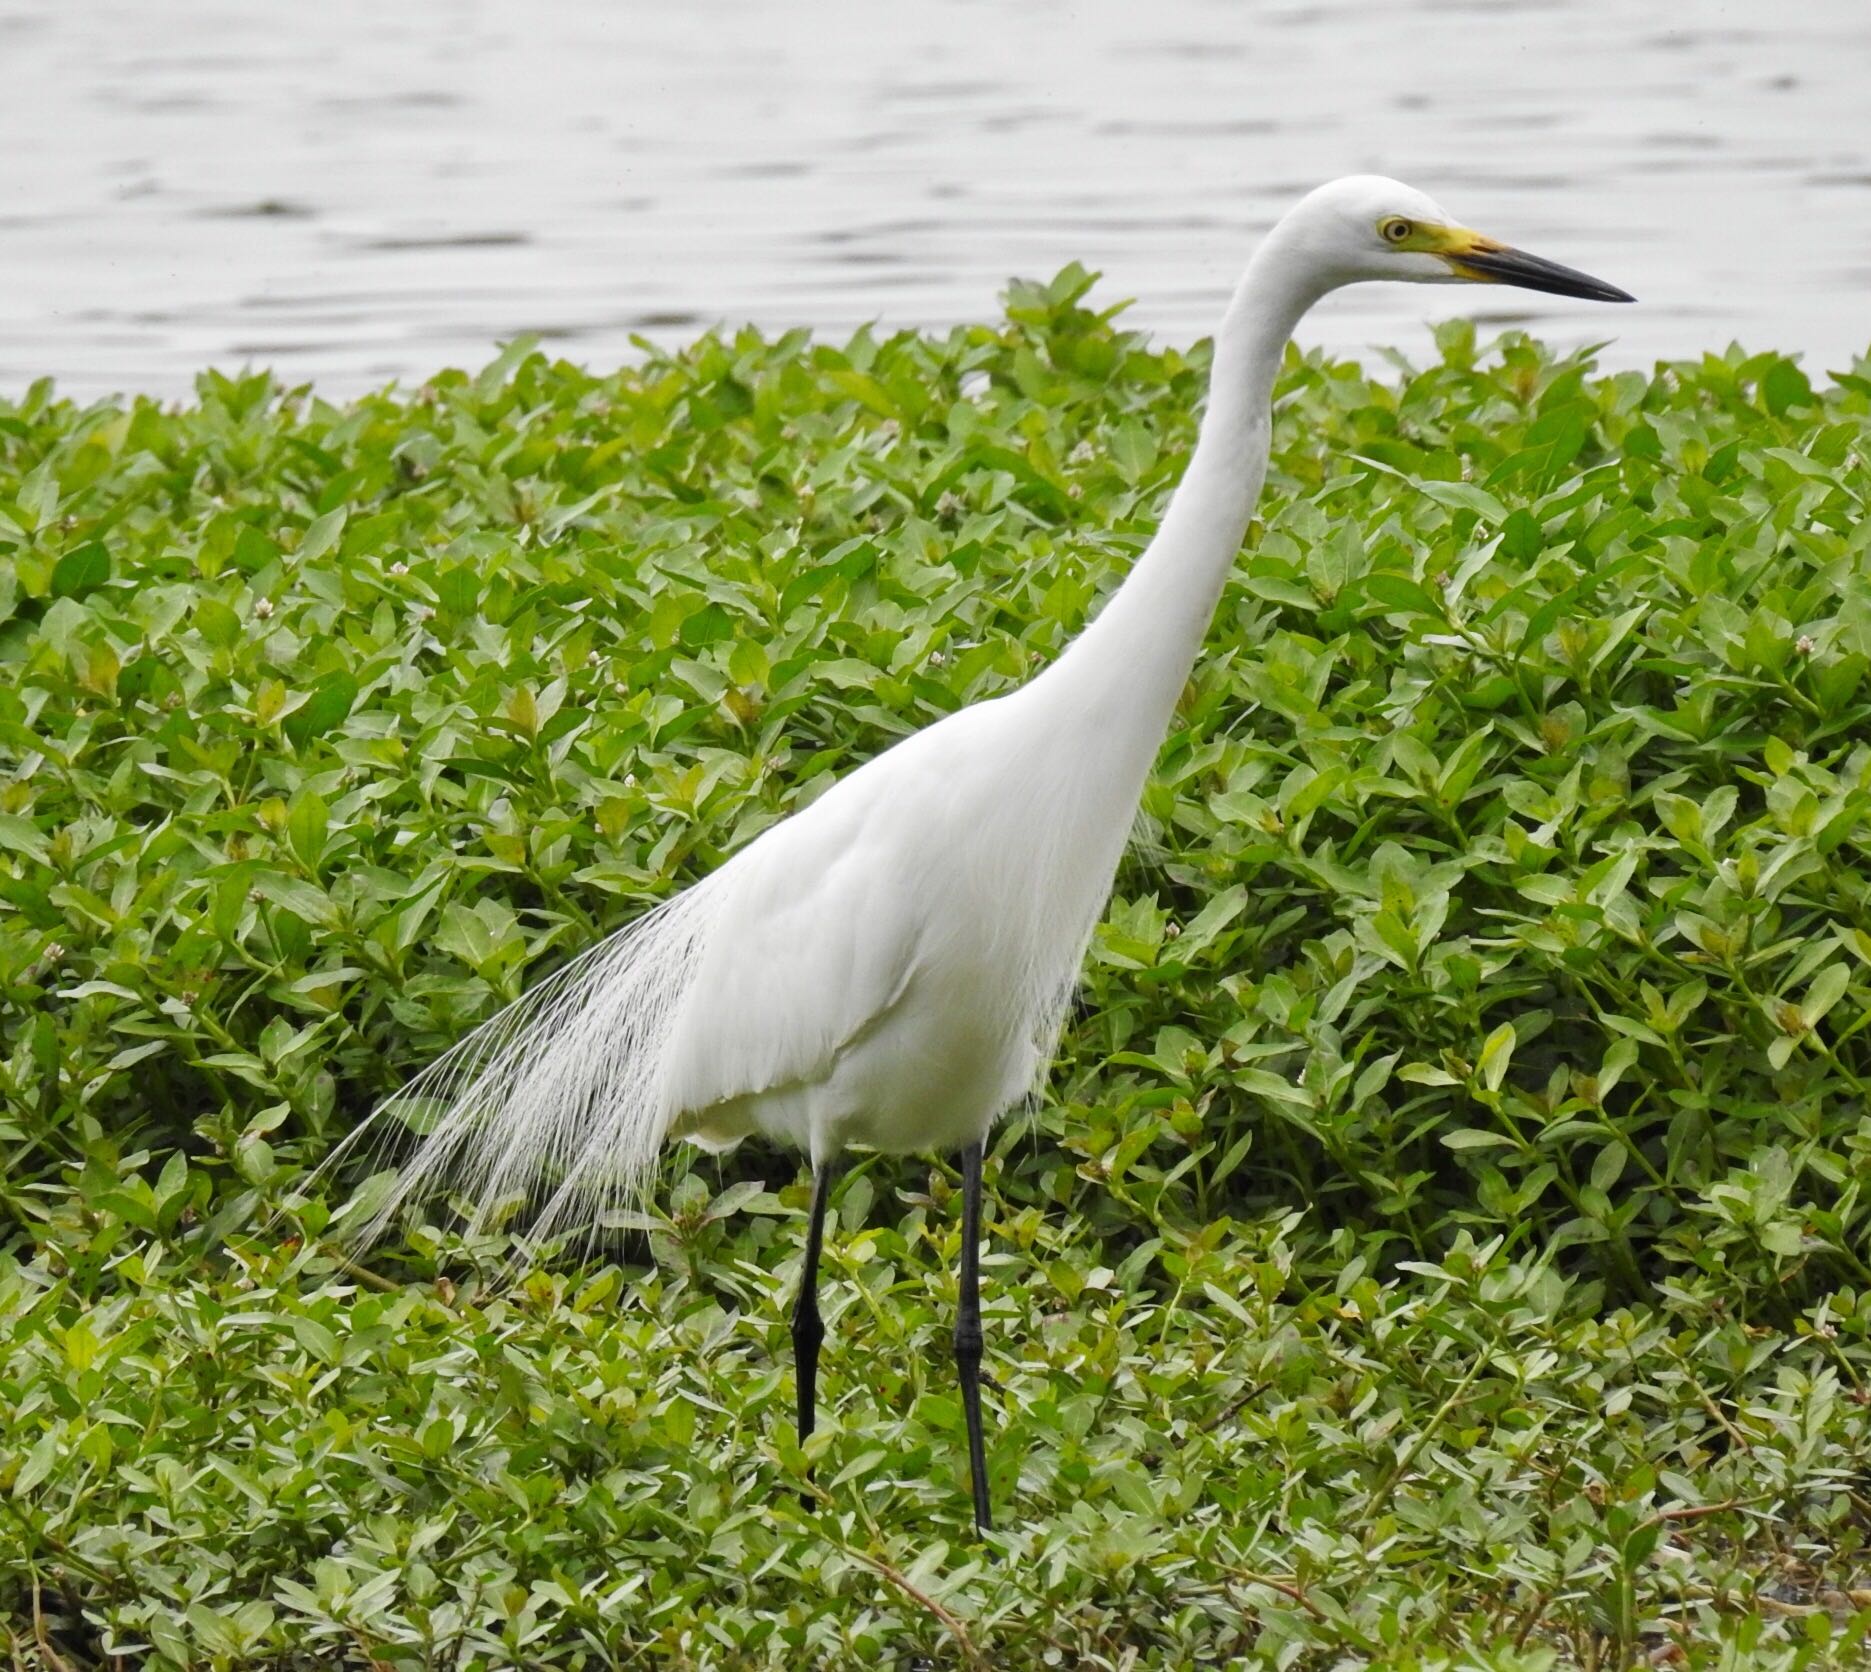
(565, 1089)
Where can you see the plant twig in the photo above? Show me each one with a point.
(1695, 1512)
(1296, 1592)
(1290, 1588)
(1770, 1605)
(57, 1546)
(1534, 1615)
(1236, 1406)
(370, 1654)
(350, 1268)
(53, 1658)
(950, 1621)
(1401, 1466)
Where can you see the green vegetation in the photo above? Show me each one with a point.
(1444, 1242)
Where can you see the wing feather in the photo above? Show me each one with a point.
(815, 937)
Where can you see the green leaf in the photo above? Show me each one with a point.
(1474, 1137)
(323, 710)
(1827, 988)
(1133, 451)
(307, 821)
(18, 835)
(302, 898)
(1497, 1052)
(321, 536)
(81, 571)
(1399, 592)
(1464, 496)
(314, 1337)
(39, 1463)
(1785, 387)
(1263, 1084)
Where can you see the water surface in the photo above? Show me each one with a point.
(353, 192)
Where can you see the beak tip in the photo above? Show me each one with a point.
(1503, 264)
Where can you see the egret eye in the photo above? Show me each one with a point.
(1395, 231)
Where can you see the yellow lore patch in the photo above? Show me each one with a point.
(1452, 243)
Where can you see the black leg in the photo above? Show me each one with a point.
(968, 1328)
(808, 1330)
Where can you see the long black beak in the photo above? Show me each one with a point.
(1501, 264)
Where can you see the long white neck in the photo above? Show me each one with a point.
(1120, 679)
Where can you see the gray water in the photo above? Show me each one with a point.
(354, 191)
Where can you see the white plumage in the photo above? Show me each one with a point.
(891, 965)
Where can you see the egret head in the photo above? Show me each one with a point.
(1367, 227)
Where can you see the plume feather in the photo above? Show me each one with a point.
(568, 1085)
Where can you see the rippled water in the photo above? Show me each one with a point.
(353, 191)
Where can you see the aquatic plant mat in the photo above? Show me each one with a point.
(1444, 1241)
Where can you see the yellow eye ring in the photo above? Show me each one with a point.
(1395, 231)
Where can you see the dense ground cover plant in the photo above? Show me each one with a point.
(1444, 1241)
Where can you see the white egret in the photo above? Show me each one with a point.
(891, 965)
